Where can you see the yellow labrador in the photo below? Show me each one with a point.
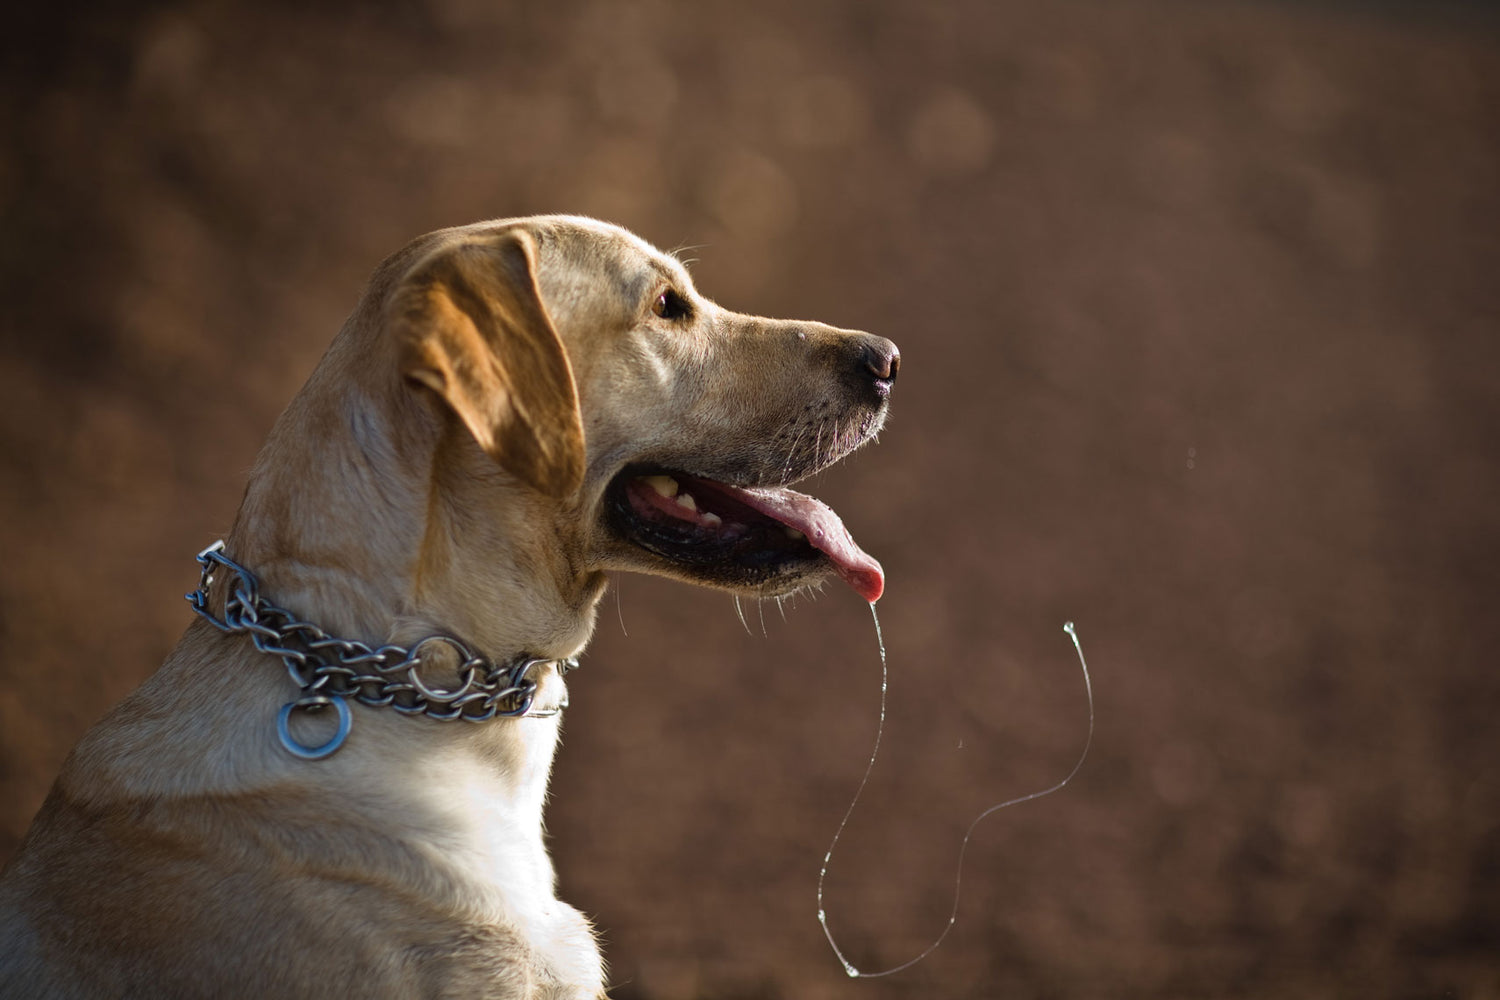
(334, 785)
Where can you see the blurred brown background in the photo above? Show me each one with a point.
(1200, 319)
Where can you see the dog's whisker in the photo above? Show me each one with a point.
(791, 457)
(620, 611)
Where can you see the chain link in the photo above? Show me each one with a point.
(328, 669)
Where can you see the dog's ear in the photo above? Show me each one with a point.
(472, 328)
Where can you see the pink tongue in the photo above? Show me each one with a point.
(825, 532)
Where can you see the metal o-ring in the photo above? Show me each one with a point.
(318, 752)
(466, 671)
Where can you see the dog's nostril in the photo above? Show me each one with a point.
(882, 359)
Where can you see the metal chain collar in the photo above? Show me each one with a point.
(330, 670)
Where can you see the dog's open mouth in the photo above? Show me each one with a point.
(738, 534)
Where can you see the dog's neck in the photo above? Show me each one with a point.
(444, 540)
(361, 538)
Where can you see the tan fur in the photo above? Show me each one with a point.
(443, 470)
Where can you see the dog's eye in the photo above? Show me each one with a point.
(670, 305)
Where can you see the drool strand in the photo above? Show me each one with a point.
(849, 967)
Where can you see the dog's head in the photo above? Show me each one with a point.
(586, 365)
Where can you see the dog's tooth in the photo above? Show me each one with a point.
(665, 485)
(686, 501)
(712, 520)
(794, 534)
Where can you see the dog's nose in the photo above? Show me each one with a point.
(882, 359)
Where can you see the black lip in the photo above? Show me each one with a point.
(762, 554)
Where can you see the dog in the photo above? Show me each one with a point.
(334, 784)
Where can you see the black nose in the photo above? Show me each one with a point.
(882, 359)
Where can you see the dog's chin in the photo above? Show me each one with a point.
(780, 580)
(765, 541)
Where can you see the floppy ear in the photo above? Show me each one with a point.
(472, 328)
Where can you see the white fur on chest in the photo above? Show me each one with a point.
(476, 816)
(484, 820)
